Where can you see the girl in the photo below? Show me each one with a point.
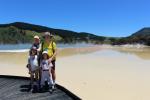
(46, 72)
(33, 66)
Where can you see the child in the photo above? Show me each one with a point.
(46, 71)
(33, 66)
(36, 42)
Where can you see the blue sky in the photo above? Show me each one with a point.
(100, 17)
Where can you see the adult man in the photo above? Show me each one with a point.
(50, 46)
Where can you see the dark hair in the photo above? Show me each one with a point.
(30, 52)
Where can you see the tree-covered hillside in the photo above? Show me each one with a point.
(23, 32)
(140, 37)
(20, 32)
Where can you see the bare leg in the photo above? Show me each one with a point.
(36, 75)
(32, 79)
(53, 75)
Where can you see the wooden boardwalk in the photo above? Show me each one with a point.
(16, 88)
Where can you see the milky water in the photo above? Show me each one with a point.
(114, 73)
(107, 74)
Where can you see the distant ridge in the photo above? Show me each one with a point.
(143, 31)
(66, 35)
(27, 26)
(21, 32)
(140, 37)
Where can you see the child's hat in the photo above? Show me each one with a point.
(45, 52)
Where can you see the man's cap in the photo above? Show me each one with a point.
(48, 34)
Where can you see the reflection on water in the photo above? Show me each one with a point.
(76, 51)
(143, 53)
(20, 58)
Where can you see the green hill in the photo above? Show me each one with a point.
(145, 32)
(140, 37)
(20, 32)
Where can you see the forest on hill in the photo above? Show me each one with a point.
(20, 32)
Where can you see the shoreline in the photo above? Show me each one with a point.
(139, 46)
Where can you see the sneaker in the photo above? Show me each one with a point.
(50, 91)
(31, 90)
(54, 87)
(41, 89)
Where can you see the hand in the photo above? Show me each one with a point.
(49, 60)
